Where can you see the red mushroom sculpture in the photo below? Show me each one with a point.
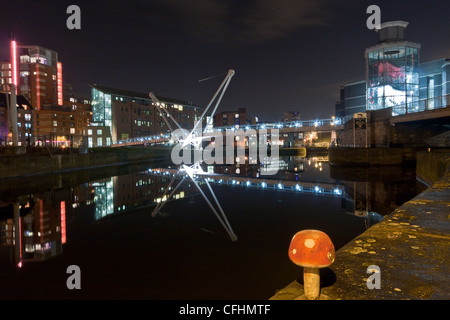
(312, 250)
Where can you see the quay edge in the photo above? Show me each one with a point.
(410, 246)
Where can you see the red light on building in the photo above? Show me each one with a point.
(38, 90)
(59, 83)
(14, 63)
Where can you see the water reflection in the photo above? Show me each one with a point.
(33, 227)
(41, 227)
(375, 192)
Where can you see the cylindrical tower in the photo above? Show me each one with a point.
(392, 74)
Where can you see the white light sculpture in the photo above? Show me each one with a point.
(195, 172)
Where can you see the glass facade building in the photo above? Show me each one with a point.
(392, 74)
(396, 78)
(123, 115)
(101, 108)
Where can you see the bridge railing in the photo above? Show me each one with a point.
(280, 125)
(422, 105)
(259, 126)
(142, 140)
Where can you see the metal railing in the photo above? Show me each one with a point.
(259, 126)
(422, 105)
(280, 125)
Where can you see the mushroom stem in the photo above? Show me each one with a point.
(311, 283)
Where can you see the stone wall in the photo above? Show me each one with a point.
(431, 166)
(381, 132)
(33, 164)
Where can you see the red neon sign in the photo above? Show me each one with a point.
(59, 83)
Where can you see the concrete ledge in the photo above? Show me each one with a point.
(411, 246)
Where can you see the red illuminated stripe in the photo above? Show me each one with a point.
(63, 221)
(59, 83)
(14, 63)
(38, 89)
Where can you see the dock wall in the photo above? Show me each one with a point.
(411, 248)
(13, 166)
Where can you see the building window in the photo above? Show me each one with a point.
(90, 132)
(99, 132)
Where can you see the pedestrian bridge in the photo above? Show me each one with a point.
(320, 125)
(435, 109)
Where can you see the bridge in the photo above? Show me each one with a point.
(319, 125)
(432, 110)
(142, 141)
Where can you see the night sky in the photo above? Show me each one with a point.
(289, 55)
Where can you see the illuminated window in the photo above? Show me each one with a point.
(393, 79)
(25, 59)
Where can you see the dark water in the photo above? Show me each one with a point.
(105, 227)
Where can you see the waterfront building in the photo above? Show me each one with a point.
(59, 126)
(50, 115)
(122, 114)
(291, 116)
(82, 109)
(36, 72)
(231, 118)
(395, 77)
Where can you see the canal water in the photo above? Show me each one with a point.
(104, 225)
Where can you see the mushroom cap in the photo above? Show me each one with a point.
(311, 249)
